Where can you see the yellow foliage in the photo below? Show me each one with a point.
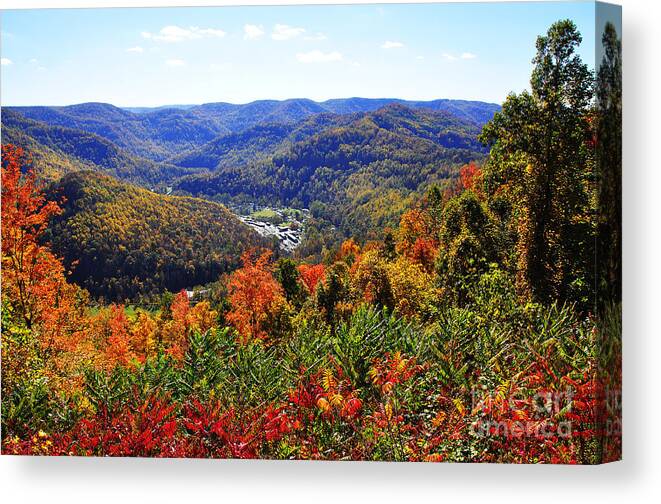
(412, 287)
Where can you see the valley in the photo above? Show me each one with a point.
(302, 176)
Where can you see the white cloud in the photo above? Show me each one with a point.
(173, 33)
(318, 57)
(419, 57)
(389, 44)
(33, 61)
(175, 62)
(463, 56)
(136, 49)
(6, 61)
(286, 32)
(317, 37)
(252, 32)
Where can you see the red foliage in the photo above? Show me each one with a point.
(312, 275)
(393, 370)
(542, 418)
(469, 176)
(147, 430)
(424, 252)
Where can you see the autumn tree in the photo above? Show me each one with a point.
(349, 251)
(118, 345)
(174, 332)
(31, 274)
(143, 336)
(311, 275)
(254, 295)
(539, 154)
(371, 279)
(45, 309)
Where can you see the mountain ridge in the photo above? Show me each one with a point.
(163, 132)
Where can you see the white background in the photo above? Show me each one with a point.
(636, 479)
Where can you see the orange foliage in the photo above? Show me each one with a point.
(118, 349)
(424, 252)
(417, 239)
(32, 277)
(469, 177)
(349, 251)
(311, 275)
(254, 295)
(176, 330)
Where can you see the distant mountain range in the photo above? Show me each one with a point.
(477, 111)
(59, 150)
(164, 131)
(355, 163)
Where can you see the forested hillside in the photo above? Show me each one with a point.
(264, 140)
(58, 150)
(121, 241)
(356, 173)
(154, 136)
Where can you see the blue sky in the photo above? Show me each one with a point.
(158, 56)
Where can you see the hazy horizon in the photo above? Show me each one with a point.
(190, 105)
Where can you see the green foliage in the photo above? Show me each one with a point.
(333, 291)
(287, 274)
(468, 244)
(367, 336)
(204, 368)
(356, 173)
(609, 168)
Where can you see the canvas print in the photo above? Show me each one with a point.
(332, 232)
